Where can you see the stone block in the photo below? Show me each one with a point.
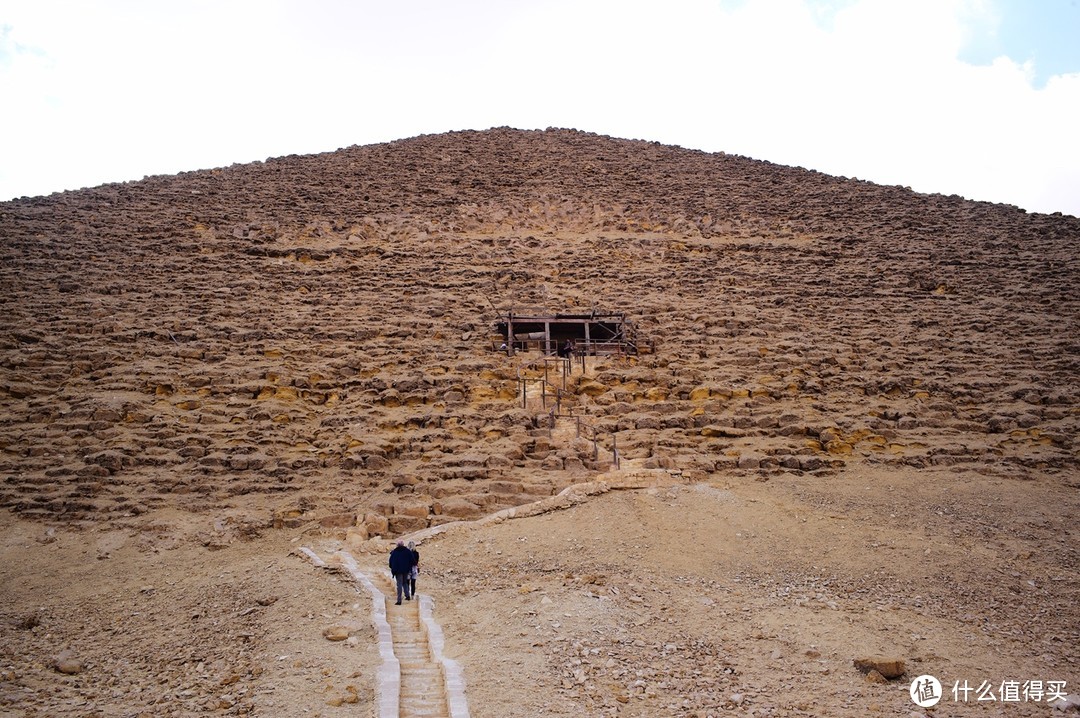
(403, 524)
(376, 524)
(749, 461)
(456, 507)
(887, 667)
(356, 535)
(337, 521)
(419, 509)
(505, 487)
(402, 480)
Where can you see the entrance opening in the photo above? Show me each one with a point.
(592, 333)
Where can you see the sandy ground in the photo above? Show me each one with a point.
(726, 597)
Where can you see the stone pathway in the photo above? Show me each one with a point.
(416, 680)
(423, 691)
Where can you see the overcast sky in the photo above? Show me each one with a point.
(979, 98)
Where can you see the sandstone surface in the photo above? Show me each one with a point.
(866, 399)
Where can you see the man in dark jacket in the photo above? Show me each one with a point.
(401, 563)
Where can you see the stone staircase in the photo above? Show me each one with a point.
(423, 690)
(415, 679)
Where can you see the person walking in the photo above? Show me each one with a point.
(401, 563)
(415, 570)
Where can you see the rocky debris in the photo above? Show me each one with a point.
(232, 632)
(887, 668)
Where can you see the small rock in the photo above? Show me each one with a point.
(66, 663)
(29, 621)
(335, 633)
(874, 676)
(1071, 704)
(887, 667)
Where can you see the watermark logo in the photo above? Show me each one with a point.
(926, 691)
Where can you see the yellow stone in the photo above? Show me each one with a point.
(591, 388)
(700, 394)
(859, 435)
(839, 447)
(655, 394)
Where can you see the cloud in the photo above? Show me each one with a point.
(860, 88)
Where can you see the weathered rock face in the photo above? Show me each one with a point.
(320, 325)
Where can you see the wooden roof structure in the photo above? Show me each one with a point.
(590, 333)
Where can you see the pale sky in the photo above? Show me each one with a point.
(979, 98)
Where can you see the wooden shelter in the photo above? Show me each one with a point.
(592, 333)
